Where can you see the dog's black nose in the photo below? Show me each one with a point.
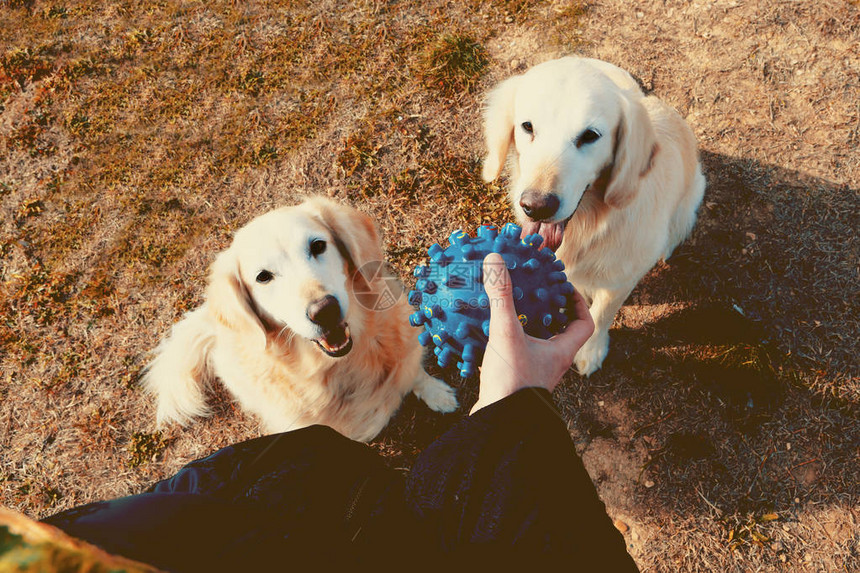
(325, 312)
(539, 206)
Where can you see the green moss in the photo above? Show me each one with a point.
(78, 124)
(57, 12)
(31, 134)
(155, 243)
(251, 81)
(41, 293)
(97, 297)
(27, 209)
(70, 231)
(8, 338)
(358, 151)
(145, 448)
(71, 365)
(131, 371)
(22, 66)
(52, 495)
(453, 64)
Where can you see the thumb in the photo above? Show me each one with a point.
(497, 284)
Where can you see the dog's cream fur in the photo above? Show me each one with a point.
(258, 340)
(631, 195)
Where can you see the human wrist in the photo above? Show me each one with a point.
(535, 397)
(493, 392)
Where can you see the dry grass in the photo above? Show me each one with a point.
(723, 428)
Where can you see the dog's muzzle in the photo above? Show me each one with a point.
(539, 207)
(336, 342)
(326, 313)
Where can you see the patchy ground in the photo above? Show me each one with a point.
(722, 431)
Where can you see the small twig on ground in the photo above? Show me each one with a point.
(650, 424)
(760, 467)
(800, 465)
(824, 529)
(714, 507)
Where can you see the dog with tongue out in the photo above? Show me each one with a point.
(608, 176)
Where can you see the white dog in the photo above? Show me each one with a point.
(283, 330)
(609, 177)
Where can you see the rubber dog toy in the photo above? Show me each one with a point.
(454, 309)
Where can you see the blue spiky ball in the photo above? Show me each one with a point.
(453, 307)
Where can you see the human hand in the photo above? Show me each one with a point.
(513, 360)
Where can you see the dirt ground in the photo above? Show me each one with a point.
(722, 431)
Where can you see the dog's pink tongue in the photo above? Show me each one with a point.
(552, 233)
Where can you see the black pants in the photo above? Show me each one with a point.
(505, 484)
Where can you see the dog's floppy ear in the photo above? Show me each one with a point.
(499, 126)
(228, 298)
(354, 235)
(635, 146)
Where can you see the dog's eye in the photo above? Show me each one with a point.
(264, 276)
(318, 247)
(586, 137)
(528, 128)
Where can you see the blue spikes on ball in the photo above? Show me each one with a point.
(454, 309)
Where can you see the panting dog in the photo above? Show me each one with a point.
(284, 329)
(608, 176)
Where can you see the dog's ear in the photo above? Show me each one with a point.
(635, 146)
(499, 126)
(229, 300)
(354, 234)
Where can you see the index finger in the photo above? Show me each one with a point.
(581, 325)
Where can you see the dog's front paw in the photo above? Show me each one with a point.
(491, 169)
(437, 395)
(590, 357)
